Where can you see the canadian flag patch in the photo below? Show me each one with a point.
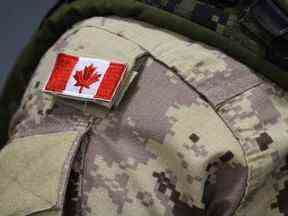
(86, 78)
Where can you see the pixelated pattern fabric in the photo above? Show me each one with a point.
(227, 22)
(214, 74)
(197, 133)
(33, 172)
(199, 12)
(259, 120)
(150, 155)
(35, 165)
(113, 183)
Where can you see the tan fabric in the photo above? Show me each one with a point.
(214, 74)
(259, 119)
(31, 171)
(48, 213)
(195, 127)
(127, 145)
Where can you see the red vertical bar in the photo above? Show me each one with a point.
(62, 71)
(111, 81)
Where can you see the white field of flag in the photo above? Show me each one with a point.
(85, 78)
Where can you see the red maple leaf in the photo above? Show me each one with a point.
(86, 77)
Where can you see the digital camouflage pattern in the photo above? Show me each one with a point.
(227, 21)
(197, 133)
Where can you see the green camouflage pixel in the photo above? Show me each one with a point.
(197, 133)
(225, 21)
(283, 4)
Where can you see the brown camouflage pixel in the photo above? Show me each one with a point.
(132, 157)
(259, 120)
(197, 132)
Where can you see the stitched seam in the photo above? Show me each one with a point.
(239, 141)
(202, 96)
(67, 165)
(97, 121)
(221, 104)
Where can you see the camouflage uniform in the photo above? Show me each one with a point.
(197, 133)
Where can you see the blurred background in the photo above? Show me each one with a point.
(18, 21)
